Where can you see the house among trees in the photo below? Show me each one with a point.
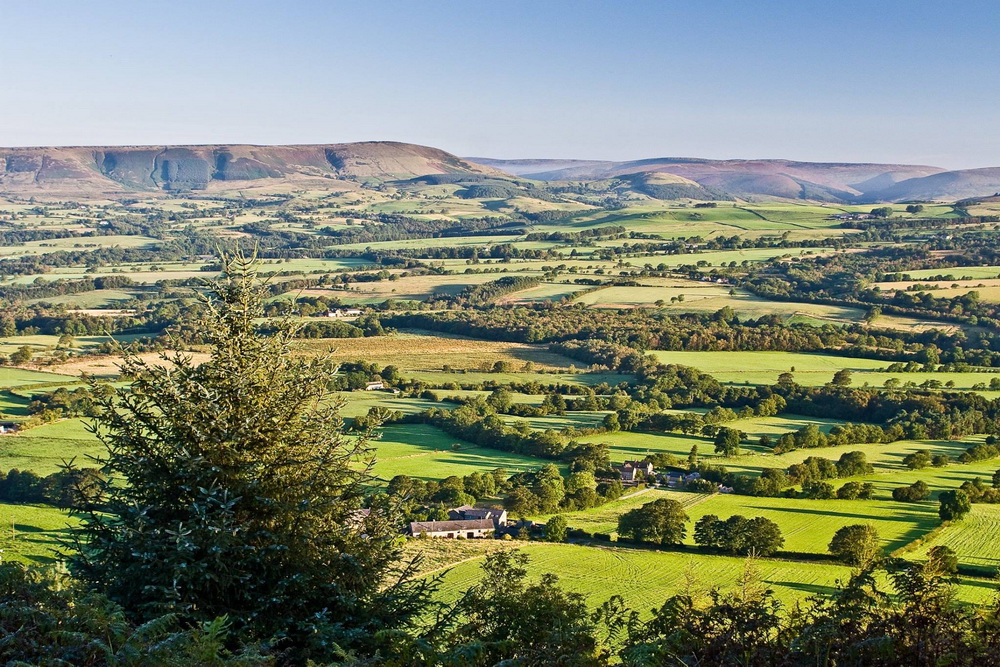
(852, 216)
(633, 472)
(372, 386)
(8, 427)
(466, 522)
(465, 528)
(678, 478)
(466, 512)
(343, 312)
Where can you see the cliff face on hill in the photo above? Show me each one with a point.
(100, 169)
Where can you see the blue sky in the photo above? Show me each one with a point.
(877, 80)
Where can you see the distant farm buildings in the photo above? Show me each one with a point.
(343, 312)
(852, 216)
(633, 472)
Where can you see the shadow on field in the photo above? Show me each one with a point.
(814, 589)
(909, 516)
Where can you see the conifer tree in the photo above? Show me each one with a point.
(233, 491)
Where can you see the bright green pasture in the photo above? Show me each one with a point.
(42, 342)
(16, 377)
(426, 452)
(627, 445)
(104, 298)
(956, 272)
(974, 538)
(43, 449)
(578, 420)
(31, 533)
(809, 525)
(543, 292)
(446, 242)
(358, 403)
(77, 243)
(442, 379)
(604, 519)
(765, 367)
(938, 479)
(887, 458)
(646, 578)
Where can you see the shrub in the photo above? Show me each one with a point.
(857, 544)
(912, 494)
(954, 505)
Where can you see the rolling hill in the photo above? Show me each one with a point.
(106, 170)
(961, 184)
(836, 182)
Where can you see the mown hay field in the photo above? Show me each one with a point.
(645, 578)
(974, 538)
(32, 533)
(426, 452)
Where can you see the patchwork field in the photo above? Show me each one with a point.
(646, 578)
(809, 525)
(808, 369)
(604, 519)
(428, 453)
(974, 539)
(32, 533)
(45, 448)
(413, 351)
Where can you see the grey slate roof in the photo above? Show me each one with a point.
(446, 526)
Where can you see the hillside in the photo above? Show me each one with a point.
(961, 184)
(837, 182)
(102, 170)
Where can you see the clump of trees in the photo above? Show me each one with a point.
(913, 493)
(954, 505)
(739, 535)
(662, 521)
(857, 544)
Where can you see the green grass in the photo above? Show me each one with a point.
(426, 452)
(810, 369)
(578, 420)
(809, 525)
(646, 578)
(16, 377)
(31, 533)
(973, 538)
(442, 379)
(956, 272)
(604, 519)
(636, 445)
(765, 367)
(43, 449)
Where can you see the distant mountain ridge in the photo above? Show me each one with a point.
(825, 181)
(110, 169)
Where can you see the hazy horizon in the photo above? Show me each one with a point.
(886, 82)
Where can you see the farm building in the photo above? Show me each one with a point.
(633, 471)
(464, 528)
(8, 427)
(343, 312)
(372, 386)
(468, 512)
(676, 479)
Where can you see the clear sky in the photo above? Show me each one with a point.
(873, 80)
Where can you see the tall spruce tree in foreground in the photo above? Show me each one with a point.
(233, 492)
